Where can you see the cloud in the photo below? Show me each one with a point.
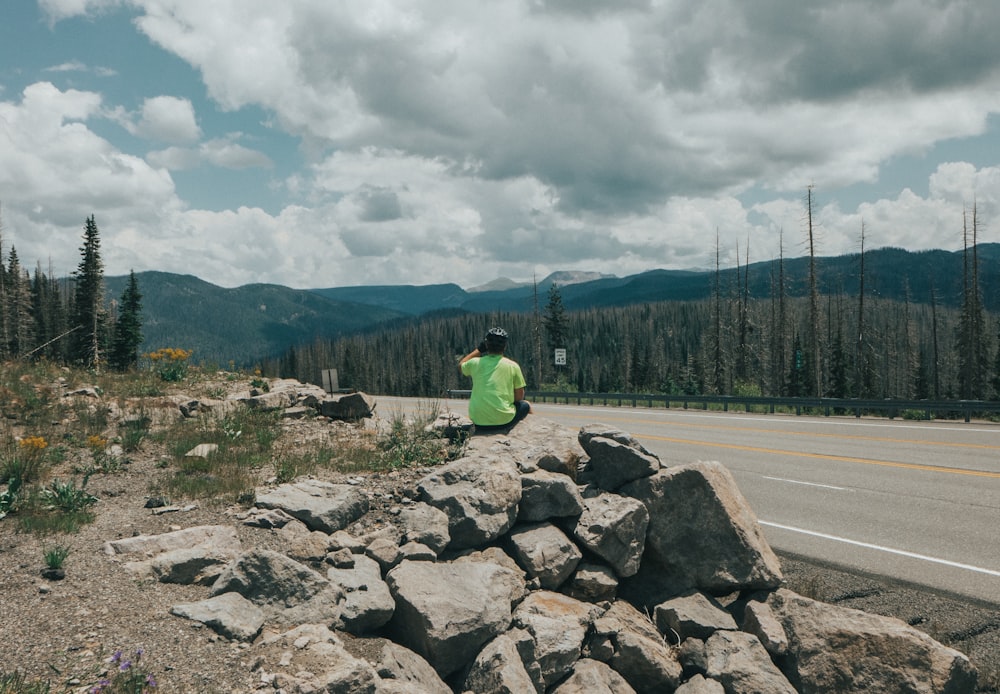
(224, 153)
(168, 119)
(71, 66)
(468, 140)
(57, 171)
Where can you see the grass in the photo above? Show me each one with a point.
(38, 487)
(55, 556)
(17, 683)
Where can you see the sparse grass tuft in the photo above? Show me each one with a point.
(17, 683)
(55, 556)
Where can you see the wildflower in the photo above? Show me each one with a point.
(117, 656)
(150, 682)
(33, 443)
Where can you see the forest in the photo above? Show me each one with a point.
(69, 322)
(752, 335)
(838, 345)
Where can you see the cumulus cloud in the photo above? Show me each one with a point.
(448, 141)
(168, 119)
(225, 153)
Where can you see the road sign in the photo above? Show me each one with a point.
(560, 357)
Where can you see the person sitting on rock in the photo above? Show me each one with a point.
(497, 399)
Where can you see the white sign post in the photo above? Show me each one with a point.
(560, 356)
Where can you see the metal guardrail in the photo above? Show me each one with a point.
(930, 409)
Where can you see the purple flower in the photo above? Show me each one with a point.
(150, 681)
(125, 666)
(116, 657)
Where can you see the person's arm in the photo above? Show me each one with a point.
(470, 355)
(518, 394)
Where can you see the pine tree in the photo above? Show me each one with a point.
(555, 320)
(18, 308)
(88, 316)
(128, 328)
(4, 324)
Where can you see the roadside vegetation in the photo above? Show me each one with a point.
(63, 428)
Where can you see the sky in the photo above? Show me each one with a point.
(324, 143)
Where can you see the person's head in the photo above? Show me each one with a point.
(496, 340)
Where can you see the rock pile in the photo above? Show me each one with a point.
(545, 560)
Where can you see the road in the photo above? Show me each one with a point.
(914, 501)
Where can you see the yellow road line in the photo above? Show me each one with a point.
(825, 456)
(783, 432)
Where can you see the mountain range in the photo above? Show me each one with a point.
(255, 321)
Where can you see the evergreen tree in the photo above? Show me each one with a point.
(20, 322)
(798, 379)
(4, 325)
(555, 320)
(50, 316)
(128, 328)
(87, 316)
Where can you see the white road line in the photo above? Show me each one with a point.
(866, 545)
(807, 484)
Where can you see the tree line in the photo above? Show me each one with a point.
(832, 345)
(68, 322)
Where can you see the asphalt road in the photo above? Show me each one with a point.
(912, 501)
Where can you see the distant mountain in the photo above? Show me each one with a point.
(405, 298)
(249, 323)
(243, 324)
(562, 278)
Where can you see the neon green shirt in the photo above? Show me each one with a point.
(494, 379)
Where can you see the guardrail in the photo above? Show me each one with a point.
(929, 409)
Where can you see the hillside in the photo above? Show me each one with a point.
(256, 321)
(242, 325)
(890, 273)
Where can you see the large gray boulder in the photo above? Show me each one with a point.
(740, 663)
(368, 604)
(447, 611)
(702, 532)
(545, 553)
(536, 443)
(287, 591)
(229, 614)
(500, 667)
(614, 528)
(479, 495)
(320, 505)
(425, 524)
(351, 406)
(192, 555)
(698, 684)
(593, 677)
(626, 640)
(593, 582)
(613, 464)
(546, 495)
(590, 432)
(692, 614)
(838, 649)
(559, 625)
(220, 539)
(399, 665)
